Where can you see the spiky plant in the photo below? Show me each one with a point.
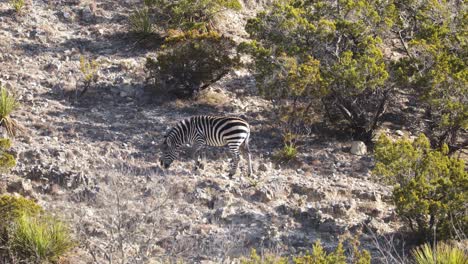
(40, 239)
(441, 254)
(140, 22)
(8, 103)
(17, 5)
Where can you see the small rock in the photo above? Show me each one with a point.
(399, 133)
(52, 67)
(87, 15)
(358, 148)
(21, 186)
(263, 195)
(67, 16)
(262, 167)
(55, 189)
(316, 162)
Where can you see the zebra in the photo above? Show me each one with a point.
(200, 131)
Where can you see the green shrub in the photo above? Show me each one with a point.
(311, 53)
(89, 69)
(8, 104)
(430, 187)
(12, 207)
(290, 150)
(189, 62)
(28, 234)
(7, 161)
(434, 36)
(140, 22)
(442, 254)
(39, 239)
(17, 5)
(317, 256)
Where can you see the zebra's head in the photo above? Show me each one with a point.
(169, 153)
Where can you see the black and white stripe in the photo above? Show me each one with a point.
(200, 131)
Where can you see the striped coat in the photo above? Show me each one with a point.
(200, 131)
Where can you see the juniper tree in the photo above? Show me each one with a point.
(330, 52)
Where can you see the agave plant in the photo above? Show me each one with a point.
(8, 103)
(441, 254)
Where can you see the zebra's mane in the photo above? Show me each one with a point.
(174, 127)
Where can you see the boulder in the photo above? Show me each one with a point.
(358, 148)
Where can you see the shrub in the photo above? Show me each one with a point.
(189, 14)
(441, 254)
(89, 68)
(7, 161)
(430, 187)
(140, 22)
(190, 62)
(8, 104)
(309, 53)
(39, 239)
(12, 207)
(433, 34)
(17, 5)
(317, 256)
(290, 150)
(29, 234)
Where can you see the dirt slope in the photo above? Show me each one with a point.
(93, 160)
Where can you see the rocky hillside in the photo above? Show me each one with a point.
(92, 159)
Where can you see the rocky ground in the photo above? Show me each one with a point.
(93, 159)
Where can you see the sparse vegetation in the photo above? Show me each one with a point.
(140, 22)
(317, 256)
(39, 239)
(7, 161)
(430, 187)
(442, 253)
(289, 151)
(89, 68)
(8, 104)
(190, 15)
(190, 62)
(17, 5)
(30, 235)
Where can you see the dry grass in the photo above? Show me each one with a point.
(213, 97)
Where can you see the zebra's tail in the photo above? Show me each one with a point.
(247, 148)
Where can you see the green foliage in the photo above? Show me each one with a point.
(270, 259)
(189, 14)
(289, 151)
(30, 235)
(17, 5)
(191, 61)
(7, 161)
(312, 49)
(39, 239)
(8, 104)
(140, 22)
(89, 68)
(434, 36)
(430, 187)
(442, 254)
(12, 207)
(317, 256)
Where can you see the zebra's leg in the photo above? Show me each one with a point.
(196, 155)
(247, 148)
(235, 162)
